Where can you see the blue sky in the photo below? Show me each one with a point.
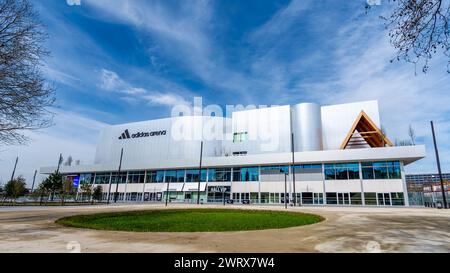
(117, 61)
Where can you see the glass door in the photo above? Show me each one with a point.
(343, 198)
(384, 199)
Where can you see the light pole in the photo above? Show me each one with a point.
(167, 192)
(224, 189)
(444, 199)
(285, 188)
(34, 180)
(200, 174)
(293, 167)
(14, 170)
(117, 178)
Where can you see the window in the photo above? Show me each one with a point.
(254, 197)
(353, 171)
(159, 176)
(180, 176)
(367, 170)
(86, 178)
(102, 178)
(151, 176)
(332, 198)
(330, 172)
(342, 171)
(236, 197)
(356, 198)
(240, 137)
(318, 198)
(309, 166)
(193, 176)
(394, 170)
(265, 196)
(119, 178)
(381, 170)
(397, 199)
(275, 198)
(371, 198)
(171, 176)
(307, 198)
(246, 174)
(219, 175)
(136, 177)
(274, 169)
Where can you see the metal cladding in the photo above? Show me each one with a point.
(307, 127)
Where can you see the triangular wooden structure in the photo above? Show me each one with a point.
(364, 132)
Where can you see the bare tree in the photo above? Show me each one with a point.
(24, 94)
(69, 161)
(419, 29)
(412, 135)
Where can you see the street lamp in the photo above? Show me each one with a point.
(444, 199)
(285, 187)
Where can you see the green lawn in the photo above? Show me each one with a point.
(191, 220)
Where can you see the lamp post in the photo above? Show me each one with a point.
(167, 192)
(444, 199)
(14, 170)
(200, 174)
(285, 188)
(34, 180)
(117, 178)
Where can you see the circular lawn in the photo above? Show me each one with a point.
(191, 220)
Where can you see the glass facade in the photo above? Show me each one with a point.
(180, 176)
(119, 178)
(196, 175)
(102, 178)
(170, 176)
(381, 170)
(246, 174)
(159, 176)
(87, 178)
(308, 166)
(344, 171)
(151, 177)
(338, 171)
(219, 175)
(274, 169)
(136, 177)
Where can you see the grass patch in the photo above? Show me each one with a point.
(191, 220)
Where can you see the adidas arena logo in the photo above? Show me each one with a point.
(126, 134)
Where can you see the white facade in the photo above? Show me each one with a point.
(243, 155)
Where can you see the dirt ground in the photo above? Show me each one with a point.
(346, 229)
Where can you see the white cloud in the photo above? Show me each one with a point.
(166, 99)
(73, 2)
(59, 76)
(110, 81)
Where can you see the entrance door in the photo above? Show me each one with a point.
(188, 197)
(285, 198)
(245, 197)
(384, 199)
(343, 198)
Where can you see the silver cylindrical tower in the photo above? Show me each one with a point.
(307, 127)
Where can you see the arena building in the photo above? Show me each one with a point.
(303, 154)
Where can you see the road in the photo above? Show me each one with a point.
(346, 229)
